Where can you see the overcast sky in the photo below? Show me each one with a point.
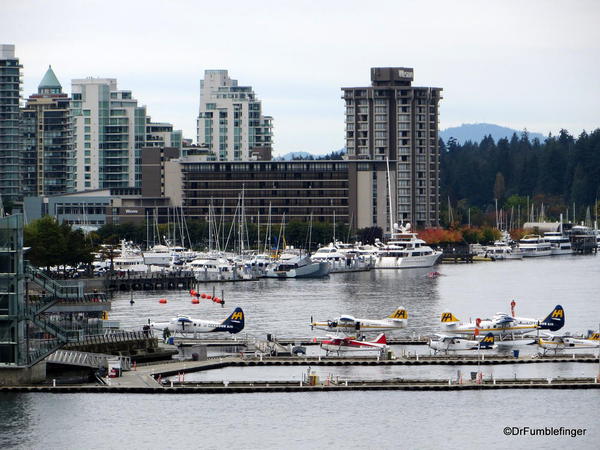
(523, 64)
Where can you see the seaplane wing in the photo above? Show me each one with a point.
(503, 325)
(350, 324)
(504, 320)
(187, 325)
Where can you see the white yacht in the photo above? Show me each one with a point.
(159, 255)
(130, 259)
(534, 245)
(560, 244)
(405, 250)
(343, 258)
(217, 268)
(501, 250)
(291, 265)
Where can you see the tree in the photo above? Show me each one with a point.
(46, 241)
(56, 245)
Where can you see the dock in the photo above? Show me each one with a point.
(153, 387)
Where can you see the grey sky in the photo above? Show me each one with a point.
(523, 64)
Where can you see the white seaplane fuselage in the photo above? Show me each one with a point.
(350, 324)
(444, 343)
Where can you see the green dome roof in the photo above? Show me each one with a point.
(49, 80)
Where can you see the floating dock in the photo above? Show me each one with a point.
(295, 386)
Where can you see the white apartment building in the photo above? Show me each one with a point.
(230, 121)
(109, 132)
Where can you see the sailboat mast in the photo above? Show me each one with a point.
(389, 183)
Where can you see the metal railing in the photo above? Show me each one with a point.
(118, 336)
(52, 286)
(86, 359)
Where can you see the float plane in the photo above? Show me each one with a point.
(444, 343)
(350, 324)
(345, 344)
(502, 325)
(186, 325)
(566, 342)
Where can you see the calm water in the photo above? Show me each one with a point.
(368, 420)
(284, 307)
(353, 420)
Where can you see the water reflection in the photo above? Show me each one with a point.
(15, 416)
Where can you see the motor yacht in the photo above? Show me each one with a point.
(534, 245)
(404, 250)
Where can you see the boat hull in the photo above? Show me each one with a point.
(387, 262)
(313, 270)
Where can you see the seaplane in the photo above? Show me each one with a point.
(186, 325)
(337, 344)
(350, 324)
(567, 342)
(444, 343)
(502, 325)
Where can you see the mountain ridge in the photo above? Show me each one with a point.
(475, 132)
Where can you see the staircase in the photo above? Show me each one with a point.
(53, 291)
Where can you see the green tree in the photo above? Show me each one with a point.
(46, 241)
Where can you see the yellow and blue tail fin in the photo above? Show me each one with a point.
(234, 323)
(400, 313)
(487, 341)
(448, 317)
(555, 320)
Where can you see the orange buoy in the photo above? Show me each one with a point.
(203, 295)
(209, 297)
(193, 292)
(195, 301)
(163, 301)
(216, 299)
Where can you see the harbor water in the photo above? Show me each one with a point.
(386, 419)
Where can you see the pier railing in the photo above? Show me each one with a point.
(114, 337)
(86, 359)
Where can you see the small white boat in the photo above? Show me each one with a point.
(216, 268)
(291, 265)
(343, 258)
(501, 251)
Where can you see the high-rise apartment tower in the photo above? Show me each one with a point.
(230, 122)
(10, 132)
(391, 119)
(47, 145)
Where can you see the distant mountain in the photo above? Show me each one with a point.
(475, 132)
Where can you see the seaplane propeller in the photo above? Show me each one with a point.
(311, 323)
